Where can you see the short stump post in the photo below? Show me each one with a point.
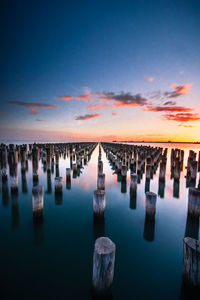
(37, 200)
(103, 264)
(133, 185)
(58, 184)
(68, 174)
(191, 261)
(99, 203)
(151, 204)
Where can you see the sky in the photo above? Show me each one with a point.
(100, 70)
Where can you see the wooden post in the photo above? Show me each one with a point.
(151, 204)
(194, 201)
(37, 200)
(103, 264)
(99, 203)
(191, 261)
(100, 167)
(101, 182)
(58, 184)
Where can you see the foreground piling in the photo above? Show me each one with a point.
(191, 261)
(103, 264)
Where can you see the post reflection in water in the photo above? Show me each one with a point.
(176, 188)
(192, 226)
(98, 227)
(149, 228)
(15, 213)
(161, 189)
(5, 193)
(24, 183)
(49, 187)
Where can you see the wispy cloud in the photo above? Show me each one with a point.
(39, 120)
(149, 79)
(33, 104)
(88, 116)
(85, 97)
(34, 111)
(97, 107)
(114, 113)
(170, 103)
(65, 97)
(167, 108)
(182, 117)
(2, 112)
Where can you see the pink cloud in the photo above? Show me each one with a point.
(65, 97)
(34, 111)
(97, 107)
(182, 89)
(149, 79)
(114, 113)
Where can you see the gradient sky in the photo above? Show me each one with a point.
(108, 70)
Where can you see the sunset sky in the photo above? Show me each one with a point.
(100, 70)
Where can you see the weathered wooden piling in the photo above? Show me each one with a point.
(35, 161)
(124, 172)
(194, 201)
(38, 200)
(191, 261)
(100, 167)
(101, 181)
(58, 184)
(68, 174)
(103, 264)
(133, 184)
(148, 172)
(99, 203)
(151, 204)
(193, 168)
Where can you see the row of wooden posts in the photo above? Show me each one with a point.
(10, 156)
(122, 160)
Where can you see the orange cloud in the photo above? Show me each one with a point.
(85, 97)
(96, 107)
(182, 89)
(87, 117)
(149, 79)
(114, 113)
(65, 97)
(182, 117)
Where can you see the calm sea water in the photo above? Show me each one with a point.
(53, 259)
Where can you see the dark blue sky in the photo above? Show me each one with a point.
(54, 48)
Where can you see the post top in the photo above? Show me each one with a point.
(192, 243)
(151, 194)
(104, 245)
